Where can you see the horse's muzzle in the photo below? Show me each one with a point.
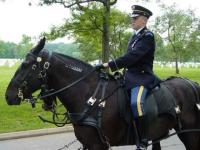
(12, 101)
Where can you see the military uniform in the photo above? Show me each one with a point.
(138, 61)
(139, 76)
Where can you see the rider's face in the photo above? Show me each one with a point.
(138, 22)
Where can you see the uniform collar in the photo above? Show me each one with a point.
(137, 32)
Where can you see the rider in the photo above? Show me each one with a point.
(138, 61)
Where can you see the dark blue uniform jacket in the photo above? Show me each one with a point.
(138, 61)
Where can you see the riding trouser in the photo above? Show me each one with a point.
(138, 95)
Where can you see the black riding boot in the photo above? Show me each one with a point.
(142, 125)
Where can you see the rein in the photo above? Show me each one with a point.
(45, 91)
(54, 113)
(48, 93)
(43, 78)
(67, 86)
(175, 133)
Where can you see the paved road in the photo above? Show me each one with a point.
(57, 141)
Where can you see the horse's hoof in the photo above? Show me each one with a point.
(141, 148)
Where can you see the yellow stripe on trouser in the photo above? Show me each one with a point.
(139, 100)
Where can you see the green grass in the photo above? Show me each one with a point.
(23, 117)
(17, 118)
(190, 73)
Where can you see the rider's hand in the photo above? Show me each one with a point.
(105, 65)
(101, 66)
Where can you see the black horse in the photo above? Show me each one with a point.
(75, 82)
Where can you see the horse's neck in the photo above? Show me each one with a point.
(74, 97)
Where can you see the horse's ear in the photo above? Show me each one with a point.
(39, 46)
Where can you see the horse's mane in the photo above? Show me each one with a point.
(80, 63)
(66, 58)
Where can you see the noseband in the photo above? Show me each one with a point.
(42, 76)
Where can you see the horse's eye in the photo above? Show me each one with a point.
(25, 64)
(34, 66)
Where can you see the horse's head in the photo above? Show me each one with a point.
(27, 78)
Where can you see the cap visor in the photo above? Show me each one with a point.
(134, 15)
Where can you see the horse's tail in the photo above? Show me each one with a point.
(198, 110)
(198, 103)
(196, 89)
(197, 106)
(197, 95)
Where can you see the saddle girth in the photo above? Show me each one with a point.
(94, 105)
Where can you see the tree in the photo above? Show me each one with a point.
(67, 49)
(119, 32)
(86, 28)
(105, 17)
(7, 49)
(160, 54)
(193, 45)
(175, 26)
(23, 47)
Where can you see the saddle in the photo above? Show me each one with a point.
(158, 101)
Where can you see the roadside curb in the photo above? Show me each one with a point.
(33, 133)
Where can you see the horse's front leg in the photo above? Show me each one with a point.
(156, 146)
(97, 147)
(84, 148)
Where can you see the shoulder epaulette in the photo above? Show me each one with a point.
(148, 33)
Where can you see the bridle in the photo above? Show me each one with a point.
(42, 76)
(45, 91)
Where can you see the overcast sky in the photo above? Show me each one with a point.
(17, 18)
